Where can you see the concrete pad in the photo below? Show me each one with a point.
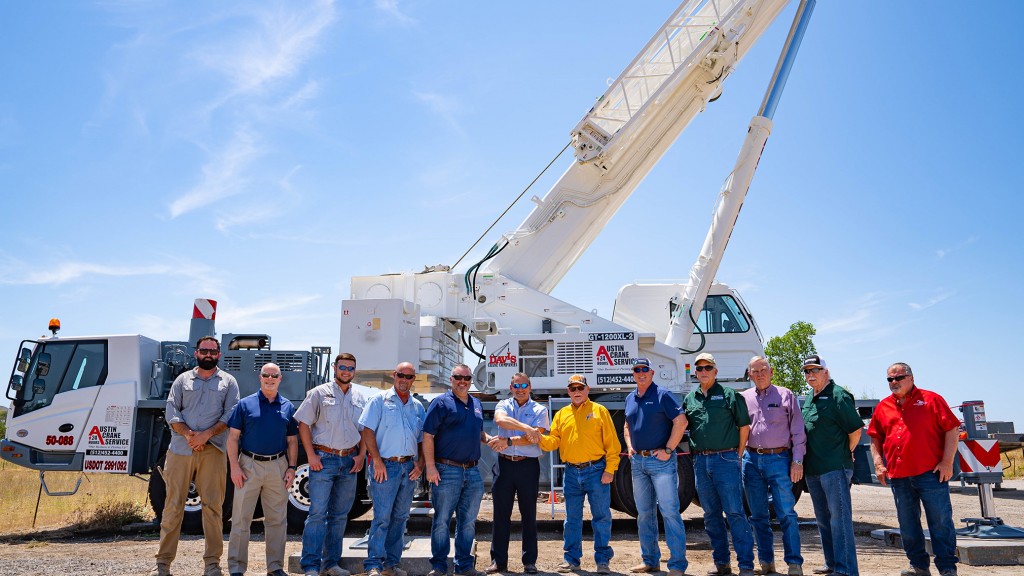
(415, 557)
(972, 551)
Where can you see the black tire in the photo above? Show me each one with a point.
(298, 499)
(192, 522)
(622, 485)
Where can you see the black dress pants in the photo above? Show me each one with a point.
(516, 480)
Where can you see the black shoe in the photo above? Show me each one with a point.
(530, 568)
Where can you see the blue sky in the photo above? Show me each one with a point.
(261, 154)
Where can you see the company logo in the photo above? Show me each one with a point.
(502, 358)
(613, 355)
(96, 432)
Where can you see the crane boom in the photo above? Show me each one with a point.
(624, 135)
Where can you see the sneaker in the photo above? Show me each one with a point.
(213, 570)
(339, 571)
(160, 570)
(532, 568)
(641, 568)
(720, 569)
(393, 571)
(796, 570)
(766, 568)
(915, 571)
(564, 568)
(603, 569)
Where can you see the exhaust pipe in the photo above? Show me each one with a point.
(204, 316)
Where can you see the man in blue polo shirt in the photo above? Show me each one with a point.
(455, 420)
(654, 427)
(261, 469)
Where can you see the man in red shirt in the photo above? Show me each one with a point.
(917, 433)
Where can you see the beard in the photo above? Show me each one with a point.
(207, 362)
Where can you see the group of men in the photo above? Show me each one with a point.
(759, 441)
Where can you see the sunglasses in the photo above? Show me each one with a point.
(207, 351)
(265, 375)
(644, 369)
(346, 368)
(520, 386)
(704, 368)
(897, 378)
(576, 388)
(461, 378)
(401, 376)
(812, 370)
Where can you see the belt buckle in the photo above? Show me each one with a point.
(760, 451)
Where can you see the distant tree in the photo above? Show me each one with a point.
(786, 354)
(3, 423)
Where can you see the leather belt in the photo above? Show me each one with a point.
(262, 457)
(329, 450)
(650, 452)
(582, 465)
(398, 458)
(517, 458)
(464, 465)
(767, 450)
(709, 452)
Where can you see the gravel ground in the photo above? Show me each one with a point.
(61, 553)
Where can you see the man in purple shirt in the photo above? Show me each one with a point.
(774, 461)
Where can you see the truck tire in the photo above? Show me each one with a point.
(622, 485)
(192, 521)
(298, 499)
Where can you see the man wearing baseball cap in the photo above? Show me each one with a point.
(653, 428)
(584, 435)
(719, 426)
(833, 430)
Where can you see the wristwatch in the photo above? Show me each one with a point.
(799, 462)
(669, 450)
(509, 440)
(293, 467)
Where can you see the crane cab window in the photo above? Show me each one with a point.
(72, 366)
(721, 315)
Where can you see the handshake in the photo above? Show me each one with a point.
(497, 443)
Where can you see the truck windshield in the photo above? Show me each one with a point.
(721, 314)
(73, 364)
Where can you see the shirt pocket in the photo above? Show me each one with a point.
(775, 416)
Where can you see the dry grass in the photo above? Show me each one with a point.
(102, 498)
(1013, 464)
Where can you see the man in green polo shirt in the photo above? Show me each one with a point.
(719, 425)
(833, 430)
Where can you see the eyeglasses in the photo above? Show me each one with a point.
(812, 370)
(265, 375)
(404, 376)
(346, 368)
(208, 351)
(461, 378)
(576, 388)
(523, 386)
(704, 368)
(644, 369)
(897, 378)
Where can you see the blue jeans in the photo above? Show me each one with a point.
(719, 490)
(761, 473)
(910, 493)
(656, 482)
(392, 499)
(459, 491)
(331, 492)
(830, 495)
(577, 483)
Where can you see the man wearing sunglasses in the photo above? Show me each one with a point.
(719, 425)
(330, 434)
(392, 425)
(773, 463)
(917, 434)
(263, 449)
(452, 433)
(653, 428)
(520, 423)
(198, 407)
(833, 430)
(585, 437)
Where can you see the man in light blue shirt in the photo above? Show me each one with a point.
(520, 422)
(392, 429)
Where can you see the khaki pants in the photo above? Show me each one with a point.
(210, 467)
(265, 481)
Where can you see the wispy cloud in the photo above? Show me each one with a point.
(390, 7)
(223, 175)
(943, 252)
(942, 295)
(861, 316)
(278, 309)
(443, 106)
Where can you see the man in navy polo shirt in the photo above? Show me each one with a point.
(263, 448)
(454, 421)
(654, 427)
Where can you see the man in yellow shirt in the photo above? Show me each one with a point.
(584, 435)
